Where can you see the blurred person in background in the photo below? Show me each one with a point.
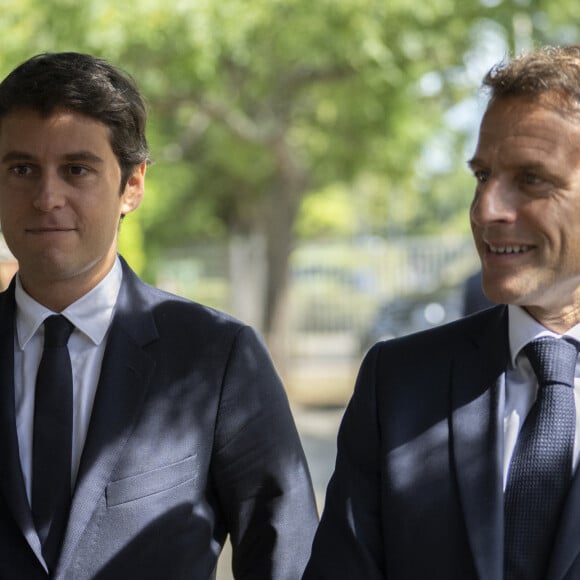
(474, 299)
(137, 429)
(8, 264)
(457, 454)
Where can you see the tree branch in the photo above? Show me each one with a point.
(304, 76)
(238, 123)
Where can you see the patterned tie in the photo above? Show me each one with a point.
(52, 443)
(541, 467)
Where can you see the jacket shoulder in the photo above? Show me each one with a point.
(464, 332)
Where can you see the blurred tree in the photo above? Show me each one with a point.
(256, 104)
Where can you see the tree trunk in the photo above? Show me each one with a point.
(248, 267)
(283, 208)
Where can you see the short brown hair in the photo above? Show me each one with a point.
(551, 71)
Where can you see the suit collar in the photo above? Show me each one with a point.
(11, 480)
(476, 436)
(91, 314)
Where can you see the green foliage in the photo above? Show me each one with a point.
(333, 101)
(131, 245)
(327, 213)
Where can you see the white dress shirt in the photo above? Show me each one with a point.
(521, 384)
(91, 315)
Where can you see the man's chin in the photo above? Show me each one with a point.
(505, 295)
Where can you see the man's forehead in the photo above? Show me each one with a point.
(64, 137)
(23, 114)
(515, 118)
(518, 132)
(558, 103)
(21, 123)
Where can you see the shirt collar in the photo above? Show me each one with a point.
(91, 314)
(523, 329)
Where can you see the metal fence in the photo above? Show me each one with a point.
(337, 292)
(335, 285)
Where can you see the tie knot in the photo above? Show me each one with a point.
(57, 330)
(553, 360)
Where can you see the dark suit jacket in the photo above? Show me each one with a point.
(191, 438)
(417, 489)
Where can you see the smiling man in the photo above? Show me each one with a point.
(137, 429)
(526, 208)
(457, 455)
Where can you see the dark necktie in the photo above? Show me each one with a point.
(541, 467)
(52, 442)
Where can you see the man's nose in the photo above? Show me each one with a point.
(49, 194)
(494, 201)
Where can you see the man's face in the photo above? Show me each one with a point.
(525, 215)
(60, 199)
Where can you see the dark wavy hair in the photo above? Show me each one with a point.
(83, 84)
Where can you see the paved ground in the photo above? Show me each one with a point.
(317, 428)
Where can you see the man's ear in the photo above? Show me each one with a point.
(134, 190)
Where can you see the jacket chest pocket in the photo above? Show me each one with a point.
(151, 482)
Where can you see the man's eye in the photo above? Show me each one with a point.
(21, 170)
(532, 179)
(77, 170)
(481, 175)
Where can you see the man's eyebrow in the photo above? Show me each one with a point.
(474, 162)
(70, 157)
(83, 156)
(16, 156)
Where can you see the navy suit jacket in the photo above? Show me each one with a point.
(191, 438)
(417, 488)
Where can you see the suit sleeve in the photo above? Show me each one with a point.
(259, 469)
(349, 542)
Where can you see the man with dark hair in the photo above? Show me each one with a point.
(457, 455)
(137, 429)
(89, 86)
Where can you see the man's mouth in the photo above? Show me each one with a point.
(49, 230)
(512, 249)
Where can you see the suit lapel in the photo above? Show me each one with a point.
(123, 383)
(11, 480)
(477, 442)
